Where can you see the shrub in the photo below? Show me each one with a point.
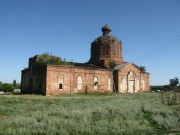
(112, 64)
(49, 59)
(170, 98)
(7, 87)
(1, 86)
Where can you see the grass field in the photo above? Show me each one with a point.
(126, 114)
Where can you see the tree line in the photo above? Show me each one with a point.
(9, 87)
(173, 85)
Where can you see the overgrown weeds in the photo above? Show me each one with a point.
(169, 97)
(131, 114)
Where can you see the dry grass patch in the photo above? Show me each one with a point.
(3, 116)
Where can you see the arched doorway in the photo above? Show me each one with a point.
(131, 82)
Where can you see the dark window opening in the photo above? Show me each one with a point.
(105, 49)
(60, 86)
(95, 83)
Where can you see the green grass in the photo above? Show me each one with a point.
(108, 114)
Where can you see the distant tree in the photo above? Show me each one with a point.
(1, 86)
(167, 88)
(174, 82)
(7, 87)
(155, 88)
(142, 69)
(14, 83)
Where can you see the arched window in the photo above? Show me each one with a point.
(79, 82)
(24, 84)
(95, 83)
(109, 84)
(31, 83)
(105, 49)
(116, 50)
(60, 82)
(137, 85)
(124, 84)
(143, 84)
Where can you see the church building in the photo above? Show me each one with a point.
(106, 71)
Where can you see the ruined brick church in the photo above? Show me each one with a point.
(97, 75)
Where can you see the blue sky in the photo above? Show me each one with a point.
(148, 29)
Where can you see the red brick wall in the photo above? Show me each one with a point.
(69, 76)
(47, 79)
(140, 76)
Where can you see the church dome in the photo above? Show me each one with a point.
(106, 36)
(110, 38)
(106, 48)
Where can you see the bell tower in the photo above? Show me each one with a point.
(106, 48)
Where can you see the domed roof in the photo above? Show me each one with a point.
(106, 36)
(106, 48)
(106, 29)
